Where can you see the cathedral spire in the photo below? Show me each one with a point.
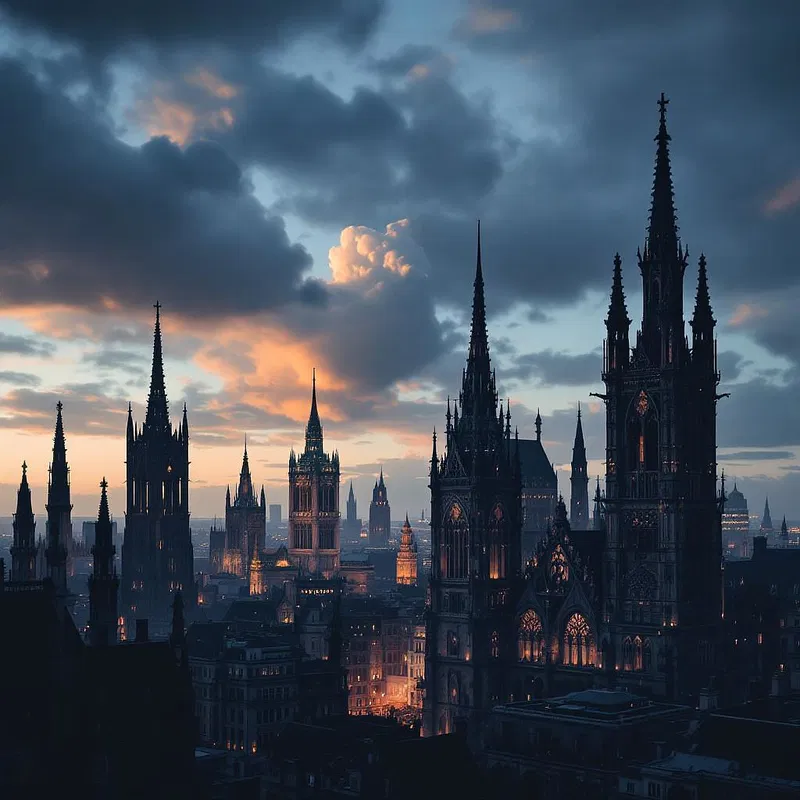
(617, 309)
(662, 232)
(103, 582)
(314, 427)
(579, 480)
(766, 520)
(351, 496)
(23, 549)
(245, 494)
(703, 315)
(157, 417)
(538, 426)
(478, 388)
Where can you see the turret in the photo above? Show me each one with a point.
(579, 481)
(618, 323)
(703, 321)
(23, 549)
(103, 582)
(59, 508)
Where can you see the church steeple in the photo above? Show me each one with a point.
(103, 582)
(662, 232)
(703, 321)
(245, 494)
(579, 481)
(478, 396)
(766, 520)
(157, 417)
(314, 443)
(618, 323)
(59, 508)
(23, 550)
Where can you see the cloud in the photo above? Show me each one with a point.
(786, 197)
(25, 346)
(19, 378)
(551, 368)
(756, 455)
(241, 24)
(91, 222)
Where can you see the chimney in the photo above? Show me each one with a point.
(141, 630)
(759, 545)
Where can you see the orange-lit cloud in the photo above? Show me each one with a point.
(214, 85)
(486, 20)
(161, 117)
(746, 312)
(785, 198)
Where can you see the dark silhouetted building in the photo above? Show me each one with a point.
(736, 525)
(157, 553)
(380, 515)
(23, 549)
(351, 526)
(579, 481)
(103, 582)
(245, 524)
(314, 502)
(539, 490)
(766, 528)
(476, 526)
(59, 512)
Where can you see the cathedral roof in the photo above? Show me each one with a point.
(534, 462)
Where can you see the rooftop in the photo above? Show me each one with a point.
(592, 706)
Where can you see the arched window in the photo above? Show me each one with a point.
(452, 644)
(453, 556)
(559, 568)
(497, 544)
(531, 637)
(454, 689)
(578, 644)
(647, 656)
(637, 654)
(627, 654)
(495, 644)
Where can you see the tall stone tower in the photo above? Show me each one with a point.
(314, 501)
(380, 515)
(351, 527)
(157, 553)
(23, 549)
(579, 482)
(476, 528)
(407, 557)
(663, 552)
(59, 511)
(103, 582)
(245, 524)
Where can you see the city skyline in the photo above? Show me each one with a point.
(363, 268)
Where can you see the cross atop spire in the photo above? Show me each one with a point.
(157, 417)
(662, 232)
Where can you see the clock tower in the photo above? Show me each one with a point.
(662, 570)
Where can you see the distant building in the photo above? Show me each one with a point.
(766, 528)
(314, 502)
(275, 518)
(245, 524)
(351, 526)
(539, 491)
(380, 515)
(23, 549)
(88, 533)
(579, 481)
(736, 525)
(216, 548)
(407, 557)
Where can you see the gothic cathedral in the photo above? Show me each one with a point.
(635, 602)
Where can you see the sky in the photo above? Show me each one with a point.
(298, 182)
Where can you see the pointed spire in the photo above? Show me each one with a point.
(314, 441)
(59, 441)
(381, 483)
(129, 433)
(662, 232)
(24, 506)
(477, 390)
(617, 309)
(157, 416)
(351, 496)
(434, 458)
(784, 528)
(579, 446)
(23, 548)
(538, 426)
(185, 426)
(245, 494)
(703, 315)
(766, 520)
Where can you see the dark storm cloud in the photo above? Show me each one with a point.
(576, 198)
(25, 345)
(102, 28)
(84, 217)
(128, 361)
(730, 365)
(550, 368)
(756, 455)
